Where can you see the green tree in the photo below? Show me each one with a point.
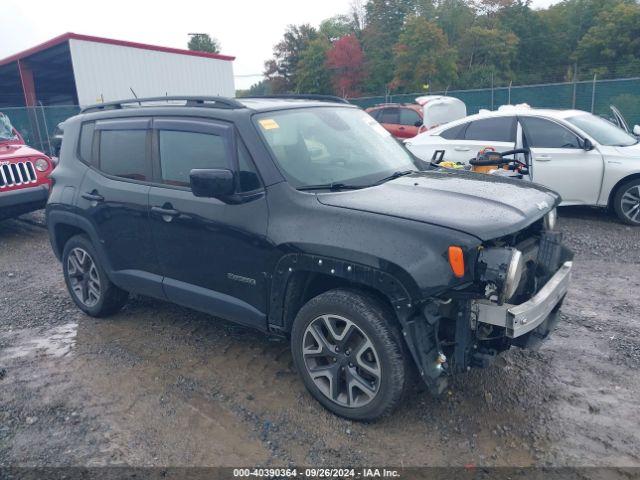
(423, 56)
(203, 42)
(286, 55)
(612, 45)
(384, 21)
(312, 76)
(484, 53)
(337, 27)
(454, 17)
(567, 23)
(263, 87)
(539, 57)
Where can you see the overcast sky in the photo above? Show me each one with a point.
(246, 29)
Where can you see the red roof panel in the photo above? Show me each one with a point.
(88, 38)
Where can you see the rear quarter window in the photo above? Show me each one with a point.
(85, 142)
(454, 133)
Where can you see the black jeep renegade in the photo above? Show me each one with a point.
(306, 218)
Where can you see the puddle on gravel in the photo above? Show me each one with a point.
(56, 342)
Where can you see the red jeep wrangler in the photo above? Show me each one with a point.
(24, 173)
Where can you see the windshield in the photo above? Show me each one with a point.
(603, 132)
(325, 145)
(6, 129)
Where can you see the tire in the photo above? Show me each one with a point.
(370, 373)
(86, 280)
(626, 202)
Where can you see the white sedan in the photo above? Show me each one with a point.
(586, 159)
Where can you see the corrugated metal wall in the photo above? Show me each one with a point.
(106, 72)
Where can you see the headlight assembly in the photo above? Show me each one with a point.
(514, 275)
(41, 165)
(501, 268)
(550, 220)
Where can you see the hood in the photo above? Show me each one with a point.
(630, 151)
(482, 205)
(9, 152)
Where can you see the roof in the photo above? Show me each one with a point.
(412, 106)
(252, 104)
(508, 112)
(267, 104)
(88, 38)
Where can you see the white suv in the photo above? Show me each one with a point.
(586, 159)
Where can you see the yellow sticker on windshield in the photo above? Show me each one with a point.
(269, 123)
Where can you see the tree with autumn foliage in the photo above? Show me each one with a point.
(399, 46)
(345, 61)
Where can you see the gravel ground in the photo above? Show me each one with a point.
(160, 385)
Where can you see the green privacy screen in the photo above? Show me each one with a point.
(37, 124)
(589, 96)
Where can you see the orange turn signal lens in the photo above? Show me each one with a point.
(456, 260)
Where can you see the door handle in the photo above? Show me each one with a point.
(93, 196)
(401, 129)
(462, 149)
(543, 158)
(167, 214)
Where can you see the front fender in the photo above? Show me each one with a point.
(396, 291)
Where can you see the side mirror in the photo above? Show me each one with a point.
(418, 123)
(586, 144)
(212, 183)
(636, 130)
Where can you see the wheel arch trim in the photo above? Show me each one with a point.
(618, 184)
(397, 293)
(56, 218)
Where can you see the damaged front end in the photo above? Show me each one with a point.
(520, 282)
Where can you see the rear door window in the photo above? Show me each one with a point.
(123, 153)
(390, 115)
(498, 129)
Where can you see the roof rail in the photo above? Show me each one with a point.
(302, 96)
(191, 101)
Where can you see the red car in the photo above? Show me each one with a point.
(24, 173)
(402, 120)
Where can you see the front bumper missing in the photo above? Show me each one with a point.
(520, 319)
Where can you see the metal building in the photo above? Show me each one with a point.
(80, 70)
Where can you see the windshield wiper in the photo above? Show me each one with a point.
(333, 186)
(395, 175)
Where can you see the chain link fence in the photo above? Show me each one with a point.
(37, 124)
(592, 96)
